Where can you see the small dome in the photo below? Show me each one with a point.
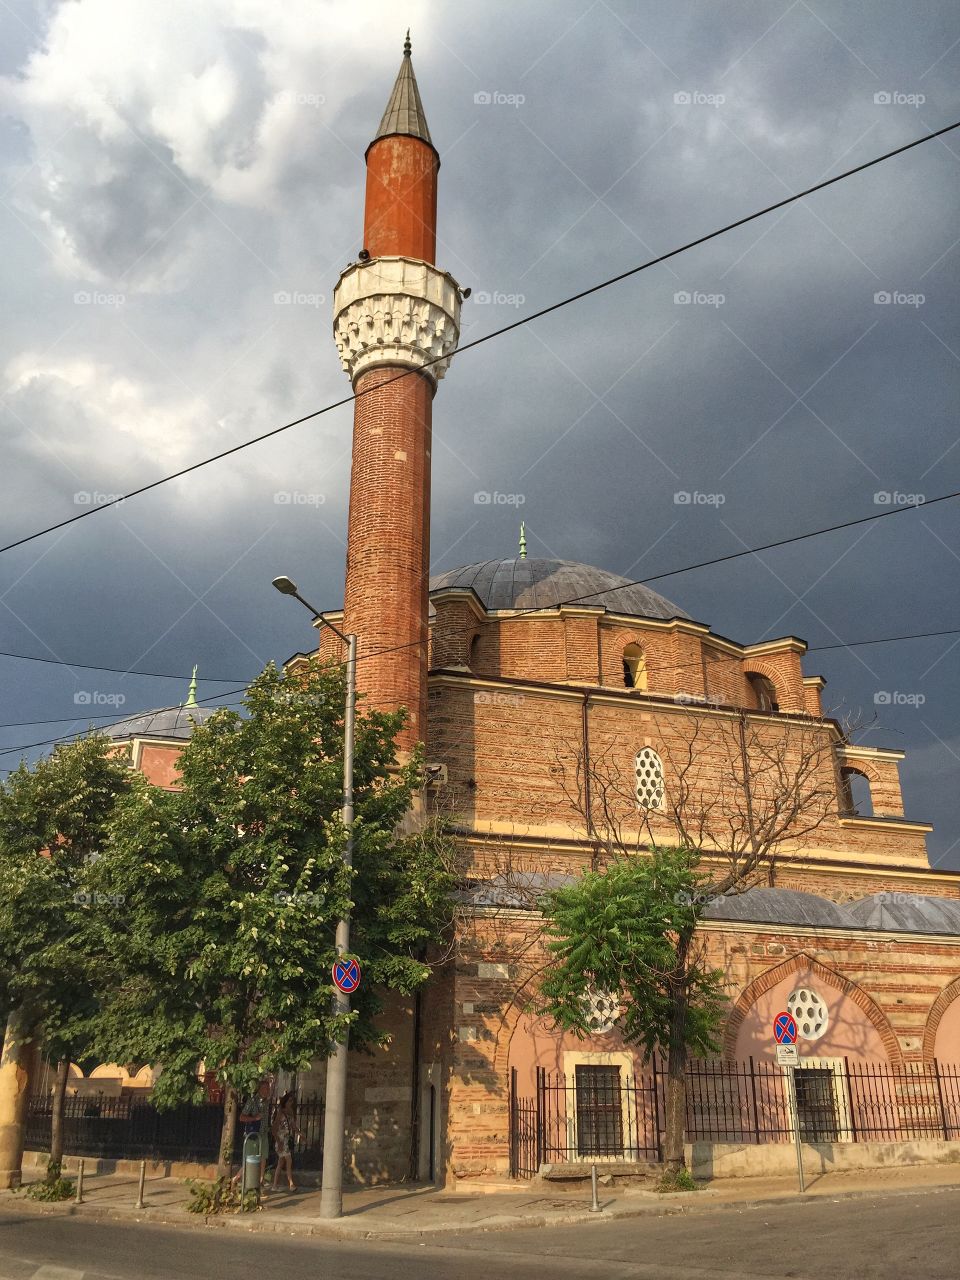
(778, 906)
(177, 723)
(907, 912)
(545, 584)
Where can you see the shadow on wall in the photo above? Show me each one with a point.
(830, 1023)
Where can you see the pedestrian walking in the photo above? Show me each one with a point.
(285, 1133)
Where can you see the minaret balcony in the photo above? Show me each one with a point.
(396, 311)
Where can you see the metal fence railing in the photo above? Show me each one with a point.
(134, 1129)
(602, 1114)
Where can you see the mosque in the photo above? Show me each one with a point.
(569, 714)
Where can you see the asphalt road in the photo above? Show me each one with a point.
(915, 1235)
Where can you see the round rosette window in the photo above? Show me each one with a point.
(601, 1010)
(809, 1011)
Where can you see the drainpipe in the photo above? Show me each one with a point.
(415, 1091)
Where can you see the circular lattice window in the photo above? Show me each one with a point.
(809, 1012)
(601, 1010)
(649, 779)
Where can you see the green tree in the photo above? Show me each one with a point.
(53, 821)
(233, 884)
(629, 930)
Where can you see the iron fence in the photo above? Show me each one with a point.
(602, 1114)
(134, 1129)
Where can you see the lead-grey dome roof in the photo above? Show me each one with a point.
(909, 912)
(779, 906)
(544, 584)
(169, 722)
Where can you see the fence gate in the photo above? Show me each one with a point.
(524, 1133)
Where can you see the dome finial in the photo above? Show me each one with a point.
(523, 541)
(407, 49)
(192, 691)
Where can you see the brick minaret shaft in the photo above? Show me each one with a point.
(394, 313)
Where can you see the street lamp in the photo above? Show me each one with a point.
(335, 1107)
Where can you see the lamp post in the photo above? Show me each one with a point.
(335, 1106)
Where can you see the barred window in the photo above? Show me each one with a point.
(650, 789)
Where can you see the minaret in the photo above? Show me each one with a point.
(394, 312)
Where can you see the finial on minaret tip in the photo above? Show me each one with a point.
(407, 48)
(192, 691)
(523, 541)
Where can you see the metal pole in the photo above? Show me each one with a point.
(80, 1182)
(595, 1204)
(795, 1122)
(335, 1108)
(143, 1178)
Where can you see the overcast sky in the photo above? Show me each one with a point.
(172, 173)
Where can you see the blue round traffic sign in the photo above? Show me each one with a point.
(346, 975)
(785, 1029)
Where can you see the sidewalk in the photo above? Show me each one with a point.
(410, 1211)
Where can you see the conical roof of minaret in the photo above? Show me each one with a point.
(404, 114)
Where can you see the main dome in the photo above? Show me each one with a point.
(167, 722)
(544, 584)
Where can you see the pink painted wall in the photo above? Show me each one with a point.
(947, 1044)
(535, 1043)
(849, 1033)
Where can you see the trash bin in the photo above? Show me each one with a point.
(251, 1164)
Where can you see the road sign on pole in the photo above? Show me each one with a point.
(787, 1055)
(785, 1028)
(346, 975)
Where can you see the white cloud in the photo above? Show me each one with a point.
(140, 113)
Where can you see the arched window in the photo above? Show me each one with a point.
(474, 652)
(855, 798)
(764, 691)
(634, 667)
(650, 788)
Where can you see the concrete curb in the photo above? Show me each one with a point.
(354, 1229)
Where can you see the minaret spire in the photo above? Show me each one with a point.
(523, 541)
(404, 115)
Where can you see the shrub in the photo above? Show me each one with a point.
(52, 1186)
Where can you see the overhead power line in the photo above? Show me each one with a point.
(476, 342)
(123, 671)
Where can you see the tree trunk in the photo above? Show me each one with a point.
(56, 1115)
(228, 1132)
(676, 1099)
